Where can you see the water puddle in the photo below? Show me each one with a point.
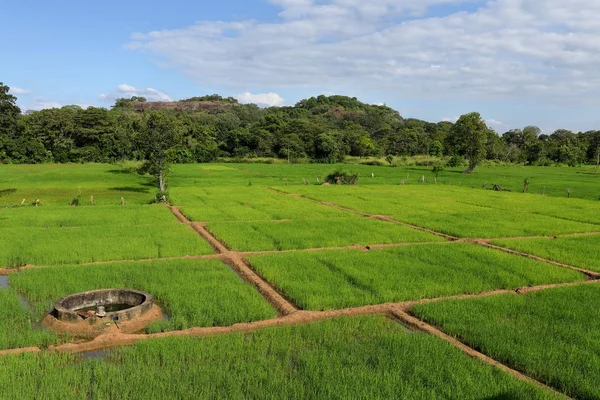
(3, 282)
(94, 355)
(404, 327)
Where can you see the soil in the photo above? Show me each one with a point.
(418, 324)
(84, 329)
(236, 261)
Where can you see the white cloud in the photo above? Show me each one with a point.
(18, 91)
(125, 90)
(41, 104)
(504, 49)
(261, 99)
(450, 119)
(495, 123)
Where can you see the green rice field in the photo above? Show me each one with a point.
(553, 335)
(299, 303)
(345, 358)
(339, 279)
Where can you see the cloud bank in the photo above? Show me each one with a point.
(127, 91)
(412, 48)
(261, 99)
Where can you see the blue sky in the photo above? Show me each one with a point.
(512, 60)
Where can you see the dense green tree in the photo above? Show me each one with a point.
(159, 133)
(468, 138)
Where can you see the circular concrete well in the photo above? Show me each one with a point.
(103, 305)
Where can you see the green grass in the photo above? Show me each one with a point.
(336, 279)
(494, 224)
(439, 208)
(19, 325)
(247, 203)
(579, 251)
(59, 217)
(554, 181)
(304, 234)
(58, 184)
(49, 246)
(367, 357)
(192, 292)
(552, 335)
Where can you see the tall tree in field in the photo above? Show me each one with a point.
(468, 137)
(159, 132)
(9, 114)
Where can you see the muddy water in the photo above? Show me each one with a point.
(3, 282)
(107, 307)
(94, 355)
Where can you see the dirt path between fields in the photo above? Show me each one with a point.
(564, 235)
(589, 273)
(237, 262)
(482, 242)
(373, 216)
(399, 311)
(116, 339)
(418, 324)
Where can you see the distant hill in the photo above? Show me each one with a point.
(208, 106)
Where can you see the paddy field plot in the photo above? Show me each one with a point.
(365, 357)
(337, 279)
(246, 204)
(66, 216)
(50, 246)
(552, 335)
(437, 210)
(308, 233)
(578, 251)
(192, 292)
(552, 181)
(19, 325)
(59, 184)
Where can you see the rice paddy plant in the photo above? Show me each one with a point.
(495, 224)
(49, 246)
(19, 325)
(337, 279)
(443, 213)
(58, 184)
(192, 292)
(551, 335)
(246, 203)
(60, 217)
(304, 234)
(367, 357)
(579, 251)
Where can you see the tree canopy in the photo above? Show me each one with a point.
(319, 129)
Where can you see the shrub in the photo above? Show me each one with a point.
(340, 177)
(455, 161)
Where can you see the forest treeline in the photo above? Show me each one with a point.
(319, 129)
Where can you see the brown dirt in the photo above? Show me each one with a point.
(20, 351)
(8, 271)
(538, 237)
(237, 262)
(83, 329)
(418, 324)
(208, 106)
(114, 337)
(200, 228)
